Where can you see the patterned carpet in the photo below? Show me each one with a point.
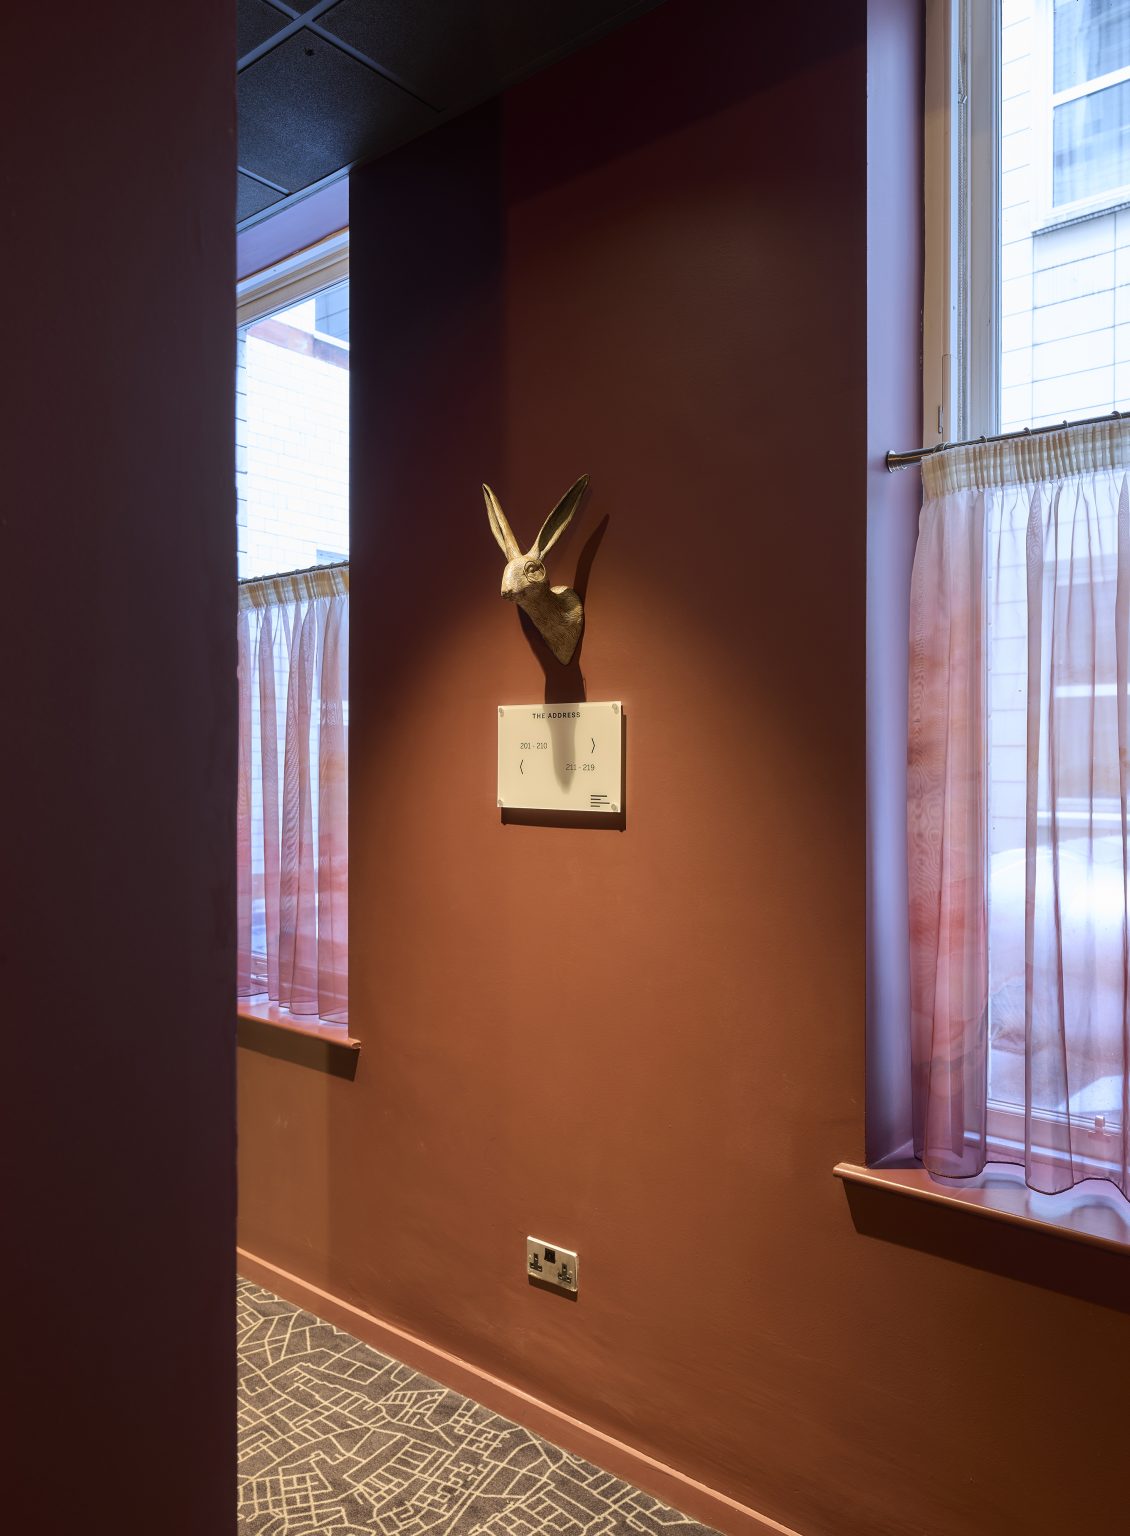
(336, 1438)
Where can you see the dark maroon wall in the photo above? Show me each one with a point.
(652, 263)
(117, 540)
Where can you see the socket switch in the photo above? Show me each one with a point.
(551, 1264)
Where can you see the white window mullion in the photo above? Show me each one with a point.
(941, 330)
(962, 188)
(1090, 87)
(982, 27)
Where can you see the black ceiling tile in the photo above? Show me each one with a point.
(256, 21)
(453, 52)
(252, 197)
(306, 109)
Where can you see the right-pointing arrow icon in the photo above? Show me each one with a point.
(593, 745)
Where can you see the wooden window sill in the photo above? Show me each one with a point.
(270, 1030)
(1085, 1214)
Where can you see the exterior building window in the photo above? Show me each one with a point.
(1089, 46)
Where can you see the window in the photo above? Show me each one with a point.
(292, 414)
(1028, 325)
(1028, 214)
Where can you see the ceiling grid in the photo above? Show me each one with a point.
(326, 85)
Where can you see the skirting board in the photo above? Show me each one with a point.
(612, 1455)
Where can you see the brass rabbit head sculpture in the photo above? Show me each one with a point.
(556, 611)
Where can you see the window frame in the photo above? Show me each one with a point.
(294, 278)
(961, 277)
(1005, 1135)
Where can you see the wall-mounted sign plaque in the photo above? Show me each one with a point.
(559, 757)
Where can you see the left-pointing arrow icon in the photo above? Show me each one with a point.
(521, 770)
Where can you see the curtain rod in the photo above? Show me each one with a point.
(303, 570)
(916, 455)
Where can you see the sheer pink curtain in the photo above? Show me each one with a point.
(293, 811)
(1018, 774)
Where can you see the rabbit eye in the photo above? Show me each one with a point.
(534, 569)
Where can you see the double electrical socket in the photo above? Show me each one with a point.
(550, 1264)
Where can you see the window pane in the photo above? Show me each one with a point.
(292, 436)
(1091, 145)
(1092, 38)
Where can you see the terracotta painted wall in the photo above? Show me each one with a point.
(651, 264)
(116, 943)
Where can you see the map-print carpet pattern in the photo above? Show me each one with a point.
(335, 1438)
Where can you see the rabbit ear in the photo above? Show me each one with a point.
(499, 526)
(558, 520)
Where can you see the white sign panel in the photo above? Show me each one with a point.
(559, 757)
